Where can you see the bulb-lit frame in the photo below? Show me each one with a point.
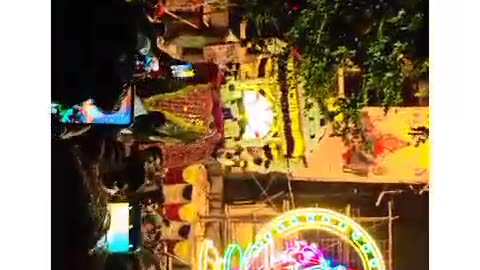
(294, 221)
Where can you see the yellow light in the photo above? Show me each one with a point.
(195, 174)
(183, 250)
(209, 257)
(330, 221)
(188, 212)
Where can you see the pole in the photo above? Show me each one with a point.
(168, 259)
(390, 234)
(341, 82)
(346, 248)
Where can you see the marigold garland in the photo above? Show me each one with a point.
(294, 110)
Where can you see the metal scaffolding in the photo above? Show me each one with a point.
(380, 226)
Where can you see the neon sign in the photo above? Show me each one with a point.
(299, 220)
(302, 255)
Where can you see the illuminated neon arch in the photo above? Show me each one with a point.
(209, 257)
(307, 219)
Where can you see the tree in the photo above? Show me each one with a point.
(386, 40)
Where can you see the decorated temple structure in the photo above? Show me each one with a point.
(271, 126)
(268, 126)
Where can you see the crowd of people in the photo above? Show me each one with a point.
(100, 49)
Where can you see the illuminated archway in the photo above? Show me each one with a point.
(229, 255)
(209, 258)
(307, 219)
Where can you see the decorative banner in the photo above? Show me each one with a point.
(174, 176)
(177, 194)
(180, 212)
(182, 187)
(194, 174)
(176, 231)
(400, 150)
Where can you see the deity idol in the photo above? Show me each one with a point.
(300, 255)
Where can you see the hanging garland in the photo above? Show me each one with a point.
(294, 108)
(284, 101)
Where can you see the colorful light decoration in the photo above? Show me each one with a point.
(299, 220)
(302, 255)
(322, 219)
(260, 115)
(209, 257)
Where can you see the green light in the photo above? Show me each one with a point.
(367, 248)
(356, 236)
(374, 263)
(311, 218)
(343, 226)
(294, 220)
(229, 255)
(327, 218)
(281, 228)
(268, 237)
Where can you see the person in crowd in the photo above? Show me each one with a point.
(94, 45)
(123, 262)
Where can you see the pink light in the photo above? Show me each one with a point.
(300, 255)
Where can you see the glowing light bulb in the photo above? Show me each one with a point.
(280, 228)
(294, 220)
(327, 218)
(311, 218)
(367, 248)
(356, 236)
(374, 263)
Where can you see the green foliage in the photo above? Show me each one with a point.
(265, 16)
(380, 37)
(383, 72)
